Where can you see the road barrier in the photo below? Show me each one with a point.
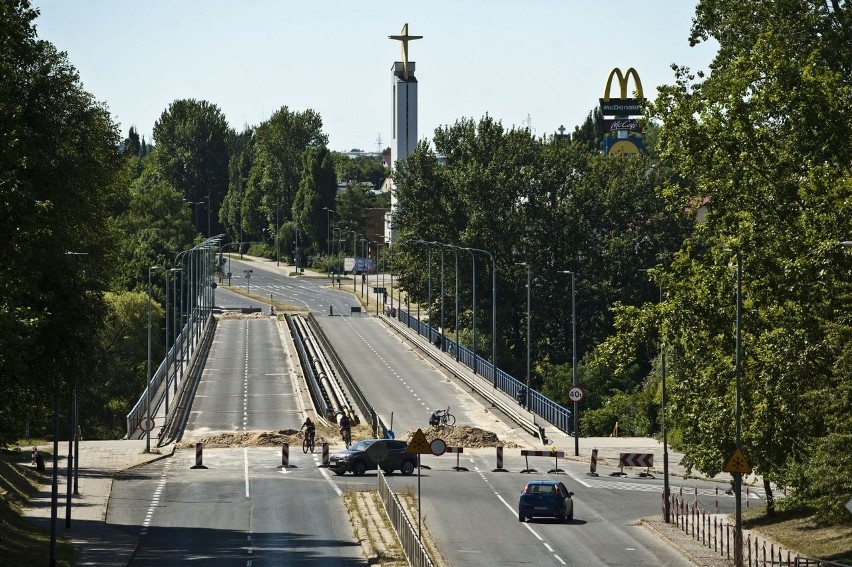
(458, 451)
(593, 463)
(33, 461)
(324, 455)
(635, 460)
(555, 454)
(199, 450)
(499, 461)
(285, 455)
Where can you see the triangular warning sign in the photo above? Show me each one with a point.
(737, 463)
(419, 444)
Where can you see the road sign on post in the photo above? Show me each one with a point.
(576, 394)
(737, 463)
(419, 444)
(438, 447)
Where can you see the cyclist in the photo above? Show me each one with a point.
(309, 427)
(345, 426)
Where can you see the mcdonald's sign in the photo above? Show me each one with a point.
(623, 106)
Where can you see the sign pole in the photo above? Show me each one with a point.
(419, 512)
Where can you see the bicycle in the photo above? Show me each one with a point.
(442, 417)
(347, 437)
(308, 441)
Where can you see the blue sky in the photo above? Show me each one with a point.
(537, 62)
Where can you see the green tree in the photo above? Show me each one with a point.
(317, 189)
(763, 141)
(192, 154)
(57, 187)
(122, 364)
(360, 169)
(155, 226)
(277, 167)
(235, 207)
(550, 203)
(132, 148)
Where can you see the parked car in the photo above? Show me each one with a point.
(546, 498)
(370, 454)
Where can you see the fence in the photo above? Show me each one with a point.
(162, 373)
(540, 404)
(718, 534)
(407, 534)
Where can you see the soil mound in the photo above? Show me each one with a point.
(249, 439)
(462, 436)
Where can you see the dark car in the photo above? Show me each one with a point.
(370, 454)
(546, 498)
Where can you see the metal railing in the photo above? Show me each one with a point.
(540, 404)
(413, 548)
(163, 374)
(715, 533)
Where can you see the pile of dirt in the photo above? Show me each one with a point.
(462, 436)
(239, 315)
(249, 439)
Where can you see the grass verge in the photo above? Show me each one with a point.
(800, 531)
(21, 541)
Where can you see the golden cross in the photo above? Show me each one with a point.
(405, 38)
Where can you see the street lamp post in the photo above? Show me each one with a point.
(529, 312)
(473, 303)
(493, 314)
(738, 477)
(177, 312)
(194, 205)
(441, 246)
(328, 230)
(148, 372)
(168, 350)
(456, 257)
(574, 359)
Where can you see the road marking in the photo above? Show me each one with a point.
(155, 500)
(245, 461)
(514, 511)
(645, 487)
(327, 476)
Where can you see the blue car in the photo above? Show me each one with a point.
(546, 498)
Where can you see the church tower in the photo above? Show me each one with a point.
(404, 109)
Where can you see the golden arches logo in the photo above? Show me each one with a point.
(622, 83)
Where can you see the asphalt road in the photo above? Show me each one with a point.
(244, 508)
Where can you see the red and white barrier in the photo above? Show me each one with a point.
(527, 454)
(285, 455)
(33, 461)
(199, 456)
(499, 461)
(458, 451)
(593, 464)
(325, 454)
(635, 460)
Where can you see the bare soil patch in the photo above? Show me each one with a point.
(463, 436)
(250, 439)
(239, 315)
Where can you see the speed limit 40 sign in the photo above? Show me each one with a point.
(576, 394)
